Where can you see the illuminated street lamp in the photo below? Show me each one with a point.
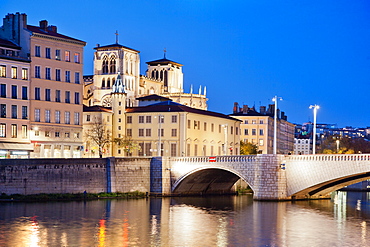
(315, 107)
(337, 141)
(275, 99)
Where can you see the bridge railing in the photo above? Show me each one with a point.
(329, 157)
(207, 159)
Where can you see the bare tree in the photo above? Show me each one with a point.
(127, 143)
(99, 134)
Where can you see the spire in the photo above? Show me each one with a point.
(165, 51)
(116, 33)
(200, 89)
(118, 86)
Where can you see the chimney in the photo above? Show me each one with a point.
(44, 24)
(262, 109)
(52, 28)
(235, 109)
(245, 109)
(283, 115)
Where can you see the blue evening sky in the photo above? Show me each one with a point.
(307, 52)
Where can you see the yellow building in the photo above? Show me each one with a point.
(258, 128)
(56, 88)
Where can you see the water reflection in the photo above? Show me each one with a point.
(196, 221)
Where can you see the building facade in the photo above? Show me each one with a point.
(14, 102)
(258, 128)
(56, 88)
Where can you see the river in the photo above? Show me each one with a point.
(192, 221)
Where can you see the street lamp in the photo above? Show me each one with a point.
(337, 141)
(315, 107)
(275, 99)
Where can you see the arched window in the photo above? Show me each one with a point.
(161, 75)
(113, 81)
(103, 83)
(108, 83)
(165, 78)
(156, 74)
(126, 65)
(112, 65)
(153, 73)
(132, 68)
(105, 65)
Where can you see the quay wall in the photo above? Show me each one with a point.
(34, 176)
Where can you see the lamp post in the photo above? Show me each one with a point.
(275, 99)
(337, 141)
(315, 107)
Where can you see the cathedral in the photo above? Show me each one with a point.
(163, 77)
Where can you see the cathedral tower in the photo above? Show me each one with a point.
(118, 103)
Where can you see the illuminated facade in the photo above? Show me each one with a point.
(56, 89)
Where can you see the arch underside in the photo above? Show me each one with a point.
(207, 181)
(323, 189)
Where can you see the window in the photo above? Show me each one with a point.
(253, 132)
(67, 117)
(24, 112)
(2, 71)
(261, 132)
(67, 56)
(254, 121)
(88, 118)
(68, 76)
(112, 65)
(77, 57)
(141, 132)
(129, 132)
(261, 142)
(161, 132)
(161, 119)
(67, 135)
(14, 111)
(261, 121)
(77, 98)
(57, 96)
(57, 116)
(129, 119)
(141, 119)
(77, 77)
(14, 92)
(24, 74)
(37, 133)
(246, 132)
(24, 131)
(195, 149)
(24, 93)
(2, 130)
(47, 52)
(189, 124)
(47, 94)
(47, 116)
(68, 97)
(119, 127)
(205, 126)
(105, 65)
(37, 93)
(174, 132)
(236, 131)
(148, 119)
(148, 132)
(57, 74)
(77, 118)
(3, 110)
(219, 128)
(173, 119)
(37, 115)
(245, 121)
(3, 90)
(57, 54)
(47, 133)
(14, 72)
(37, 72)
(57, 134)
(173, 149)
(47, 74)
(231, 130)
(37, 51)
(212, 127)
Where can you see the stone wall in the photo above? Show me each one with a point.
(34, 176)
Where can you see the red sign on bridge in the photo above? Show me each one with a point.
(212, 159)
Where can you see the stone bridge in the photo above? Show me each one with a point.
(271, 177)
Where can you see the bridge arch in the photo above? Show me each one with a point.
(207, 180)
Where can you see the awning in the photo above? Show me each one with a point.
(16, 146)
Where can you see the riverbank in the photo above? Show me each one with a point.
(70, 197)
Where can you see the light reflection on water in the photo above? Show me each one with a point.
(195, 221)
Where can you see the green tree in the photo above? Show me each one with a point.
(247, 148)
(344, 145)
(127, 144)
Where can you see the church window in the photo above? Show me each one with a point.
(153, 73)
(156, 74)
(113, 81)
(105, 65)
(112, 65)
(165, 78)
(161, 75)
(103, 83)
(108, 83)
